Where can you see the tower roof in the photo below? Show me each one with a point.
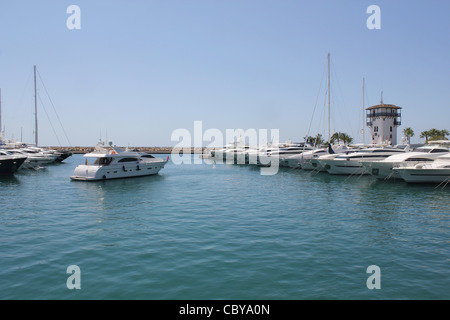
(383, 105)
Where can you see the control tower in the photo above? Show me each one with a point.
(383, 120)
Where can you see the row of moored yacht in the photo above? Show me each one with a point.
(13, 159)
(427, 164)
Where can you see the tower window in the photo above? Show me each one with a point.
(391, 130)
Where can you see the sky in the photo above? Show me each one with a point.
(136, 71)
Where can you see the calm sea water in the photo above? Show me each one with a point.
(221, 232)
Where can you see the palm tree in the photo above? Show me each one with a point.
(346, 138)
(434, 134)
(319, 140)
(408, 132)
(340, 136)
(335, 136)
(310, 140)
(445, 133)
(315, 141)
(425, 134)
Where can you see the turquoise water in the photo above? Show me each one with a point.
(221, 232)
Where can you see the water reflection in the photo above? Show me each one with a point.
(8, 181)
(117, 191)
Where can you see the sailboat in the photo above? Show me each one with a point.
(305, 160)
(58, 156)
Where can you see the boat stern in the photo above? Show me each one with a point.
(85, 173)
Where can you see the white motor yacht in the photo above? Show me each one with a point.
(115, 163)
(220, 154)
(437, 171)
(281, 154)
(238, 155)
(384, 169)
(60, 156)
(303, 160)
(318, 163)
(295, 161)
(350, 164)
(35, 158)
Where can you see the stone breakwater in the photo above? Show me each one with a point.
(156, 150)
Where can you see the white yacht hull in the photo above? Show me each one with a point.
(381, 170)
(290, 162)
(344, 167)
(426, 175)
(307, 164)
(316, 165)
(39, 161)
(129, 170)
(265, 160)
(385, 170)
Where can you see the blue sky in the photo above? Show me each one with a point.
(138, 70)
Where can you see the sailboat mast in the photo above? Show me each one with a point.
(35, 110)
(364, 118)
(329, 127)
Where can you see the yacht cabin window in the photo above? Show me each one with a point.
(103, 161)
(128, 160)
(438, 150)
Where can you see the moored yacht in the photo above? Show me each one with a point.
(318, 164)
(437, 171)
(303, 160)
(281, 154)
(384, 169)
(10, 163)
(238, 155)
(114, 163)
(60, 155)
(350, 164)
(220, 153)
(35, 158)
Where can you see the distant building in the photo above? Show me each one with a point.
(383, 120)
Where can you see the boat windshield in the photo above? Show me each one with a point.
(102, 161)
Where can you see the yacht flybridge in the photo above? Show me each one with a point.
(114, 163)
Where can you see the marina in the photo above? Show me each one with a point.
(224, 155)
(216, 226)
